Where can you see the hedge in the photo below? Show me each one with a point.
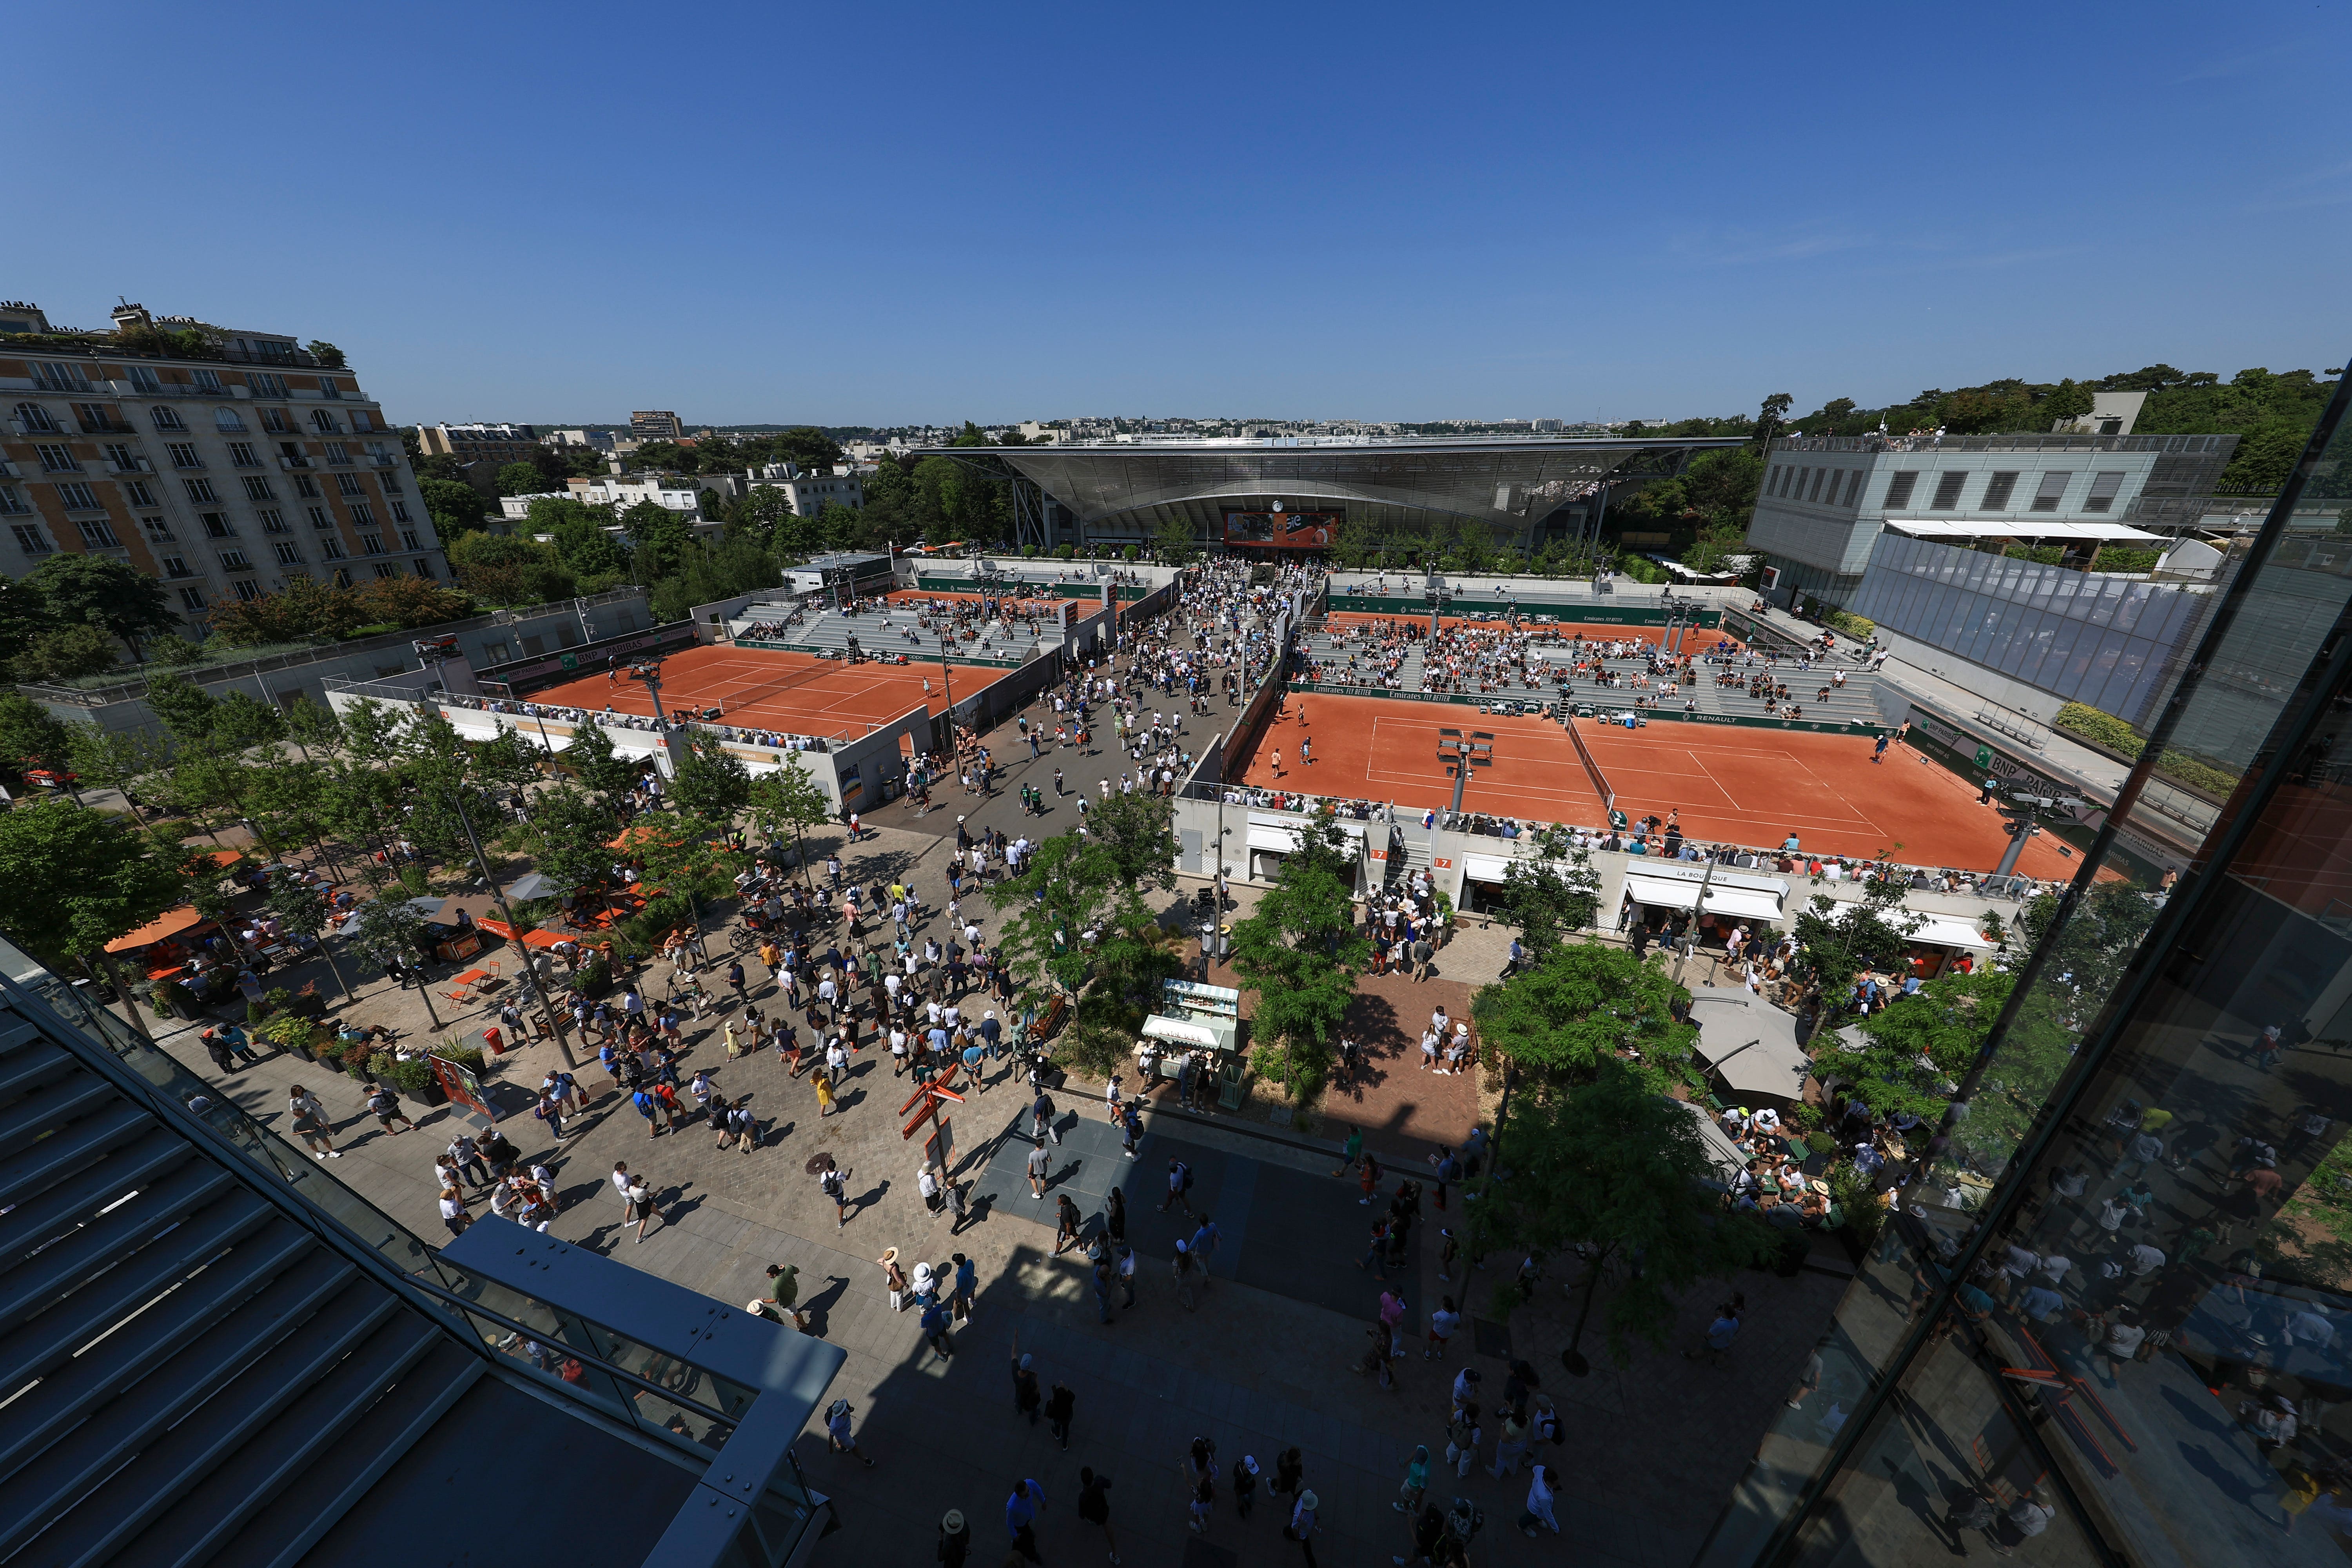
(2106, 730)
(1854, 626)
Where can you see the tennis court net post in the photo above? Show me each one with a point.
(1591, 768)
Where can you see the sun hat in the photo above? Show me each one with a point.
(1309, 1501)
(952, 1522)
(889, 1254)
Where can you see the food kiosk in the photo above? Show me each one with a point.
(1195, 1017)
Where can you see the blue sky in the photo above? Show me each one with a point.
(869, 215)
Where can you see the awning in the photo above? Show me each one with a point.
(533, 885)
(1663, 892)
(1950, 930)
(1185, 1032)
(1743, 903)
(1281, 840)
(1493, 869)
(2015, 528)
(170, 923)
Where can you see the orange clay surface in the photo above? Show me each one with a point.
(761, 689)
(1733, 784)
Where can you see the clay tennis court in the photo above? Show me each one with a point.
(794, 692)
(1734, 785)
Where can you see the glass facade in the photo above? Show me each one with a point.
(2106, 1317)
(2101, 641)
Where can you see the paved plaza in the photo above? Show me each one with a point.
(1263, 1362)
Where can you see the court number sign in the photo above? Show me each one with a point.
(1984, 756)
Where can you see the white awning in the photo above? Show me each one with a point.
(1662, 892)
(1951, 930)
(1493, 869)
(1281, 840)
(1158, 1027)
(1744, 903)
(2014, 527)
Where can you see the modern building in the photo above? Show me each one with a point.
(1299, 492)
(1826, 497)
(494, 444)
(2105, 1320)
(226, 474)
(655, 425)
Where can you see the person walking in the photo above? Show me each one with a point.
(1040, 1162)
(838, 1438)
(1127, 1275)
(1442, 1322)
(384, 1106)
(1102, 1279)
(1301, 1527)
(1244, 1486)
(1287, 1469)
(1094, 1504)
(1417, 1481)
(935, 1322)
(1026, 1399)
(310, 1123)
(835, 1185)
(1061, 1406)
(955, 1539)
(1180, 1183)
(1719, 1335)
(1204, 1247)
(1463, 1435)
(1021, 1511)
(639, 1195)
(1069, 1221)
(1539, 1502)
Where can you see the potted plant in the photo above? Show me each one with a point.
(415, 1078)
(593, 979)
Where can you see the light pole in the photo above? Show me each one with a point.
(529, 975)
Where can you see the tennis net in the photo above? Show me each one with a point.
(735, 701)
(1591, 768)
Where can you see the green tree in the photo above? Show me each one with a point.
(608, 776)
(1585, 1005)
(302, 910)
(711, 781)
(788, 797)
(1551, 895)
(99, 591)
(1173, 542)
(658, 538)
(119, 760)
(325, 353)
(2064, 402)
(1300, 951)
(67, 653)
(570, 835)
(1075, 924)
(1621, 1171)
(1837, 941)
(78, 879)
(519, 479)
(455, 505)
(1770, 420)
(31, 733)
(508, 569)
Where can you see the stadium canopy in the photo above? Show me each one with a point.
(2018, 528)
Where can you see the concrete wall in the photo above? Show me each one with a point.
(482, 641)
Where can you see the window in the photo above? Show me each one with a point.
(400, 512)
(319, 518)
(1998, 490)
(275, 421)
(58, 459)
(98, 535)
(183, 455)
(201, 492)
(338, 453)
(136, 492)
(94, 418)
(423, 567)
(192, 598)
(328, 387)
(1853, 486)
(323, 421)
(10, 501)
(330, 547)
(61, 377)
(2102, 492)
(350, 484)
(217, 525)
(228, 421)
(146, 380)
(33, 419)
(272, 519)
(387, 569)
(362, 514)
(166, 417)
(288, 555)
(264, 385)
(306, 486)
(77, 497)
(174, 566)
(119, 457)
(372, 543)
(30, 539)
(208, 379)
(408, 538)
(2052, 491)
(360, 420)
(1812, 494)
(1899, 487)
(235, 561)
(158, 531)
(241, 454)
(247, 588)
(1948, 486)
(257, 488)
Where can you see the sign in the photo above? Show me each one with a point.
(1984, 756)
(569, 661)
(939, 1150)
(458, 1081)
(1283, 529)
(1441, 862)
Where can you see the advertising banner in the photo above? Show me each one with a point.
(1283, 529)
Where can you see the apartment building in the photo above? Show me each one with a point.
(226, 474)
(1826, 499)
(809, 491)
(494, 444)
(655, 425)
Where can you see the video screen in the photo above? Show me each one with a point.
(1283, 529)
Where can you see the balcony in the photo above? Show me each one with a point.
(290, 464)
(9, 471)
(383, 459)
(106, 427)
(135, 465)
(27, 427)
(59, 463)
(177, 569)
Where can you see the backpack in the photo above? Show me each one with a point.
(1188, 1177)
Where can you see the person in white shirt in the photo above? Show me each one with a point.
(1539, 1503)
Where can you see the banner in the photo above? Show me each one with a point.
(1283, 529)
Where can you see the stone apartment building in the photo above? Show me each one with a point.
(227, 475)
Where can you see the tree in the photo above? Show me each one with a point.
(387, 931)
(571, 837)
(67, 653)
(1300, 951)
(1174, 543)
(788, 797)
(78, 879)
(302, 610)
(31, 733)
(97, 590)
(1550, 895)
(302, 908)
(1585, 1006)
(1138, 832)
(24, 615)
(455, 505)
(1077, 924)
(809, 446)
(659, 537)
(519, 479)
(1620, 1171)
(118, 760)
(325, 353)
(2065, 404)
(1836, 942)
(710, 782)
(408, 601)
(1769, 419)
(607, 776)
(508, 569)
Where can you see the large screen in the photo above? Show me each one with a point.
(1283, 529)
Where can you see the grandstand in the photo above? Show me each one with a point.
(889, 635)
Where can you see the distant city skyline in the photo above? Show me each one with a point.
(922, 230)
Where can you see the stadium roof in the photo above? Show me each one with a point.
(1511, 481)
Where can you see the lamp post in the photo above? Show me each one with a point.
(529, 975)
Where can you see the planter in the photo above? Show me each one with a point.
(430, 1093)
(305, 1052)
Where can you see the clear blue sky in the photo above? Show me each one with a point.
(854, 214)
